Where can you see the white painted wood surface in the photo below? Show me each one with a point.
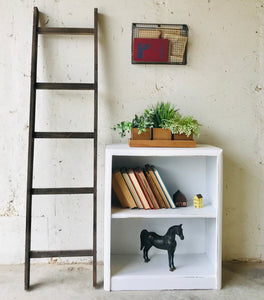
(186, 212)
(192, 170)
(130, 272)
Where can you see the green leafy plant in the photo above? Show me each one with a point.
(160, 113)
(179, 125)
(123, 128)
(142, 122)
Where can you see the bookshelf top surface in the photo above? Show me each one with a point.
(199, 150)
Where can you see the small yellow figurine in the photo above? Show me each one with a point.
(198, 201)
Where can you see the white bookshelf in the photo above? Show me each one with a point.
(198, 256)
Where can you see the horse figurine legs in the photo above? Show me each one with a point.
(145, 244)
(145, 253)
(171, 258)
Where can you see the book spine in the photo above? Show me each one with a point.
(154, 189)
(119, 192)
(131, 188)
(150, 192)
(164, 199)
(138, 189)
(125, 189)
(156, 172)
(144, 188)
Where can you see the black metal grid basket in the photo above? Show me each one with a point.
(176, 34)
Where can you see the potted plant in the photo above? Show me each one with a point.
(182, 128)
(139, 127)
(159, 114)
(160, 122)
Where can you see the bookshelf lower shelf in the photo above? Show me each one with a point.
(193, 271)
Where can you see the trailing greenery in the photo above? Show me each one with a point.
(161, 115)
(141, 122)
(123, 128)
(179, 125)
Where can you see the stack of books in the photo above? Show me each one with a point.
(141, 188)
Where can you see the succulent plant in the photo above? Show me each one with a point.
(160, 113)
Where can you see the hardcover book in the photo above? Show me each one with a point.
(138, 189)
(119, 193)
(154, 178)
(131, 188)
(154, 189)
(147, 188)
(150, 50)
(121, 190)
(163, 186)
(143, 187)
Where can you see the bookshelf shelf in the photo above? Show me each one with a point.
(179, 212)
(129, 271)
(198, 256)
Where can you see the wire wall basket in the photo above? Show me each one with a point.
(159, 44)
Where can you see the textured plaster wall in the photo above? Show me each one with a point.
(222, 86)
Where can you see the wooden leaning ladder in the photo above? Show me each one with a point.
(59, 135)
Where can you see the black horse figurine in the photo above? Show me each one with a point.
(166, 242)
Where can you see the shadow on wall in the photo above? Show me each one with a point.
(106, 89)
(242, 203)
(241, 211)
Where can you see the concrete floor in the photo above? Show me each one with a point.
(240, 281)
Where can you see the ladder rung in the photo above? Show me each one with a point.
(64, 86)
(62, 191)
(60, 253)
(58, 30)
(64, 135)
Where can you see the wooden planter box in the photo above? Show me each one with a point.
(145, 135)
(160, 138)
(182, 137)
(161, 134)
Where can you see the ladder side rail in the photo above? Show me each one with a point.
(95, 145)
(31, 146)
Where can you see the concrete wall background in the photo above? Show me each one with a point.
(222, 86)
